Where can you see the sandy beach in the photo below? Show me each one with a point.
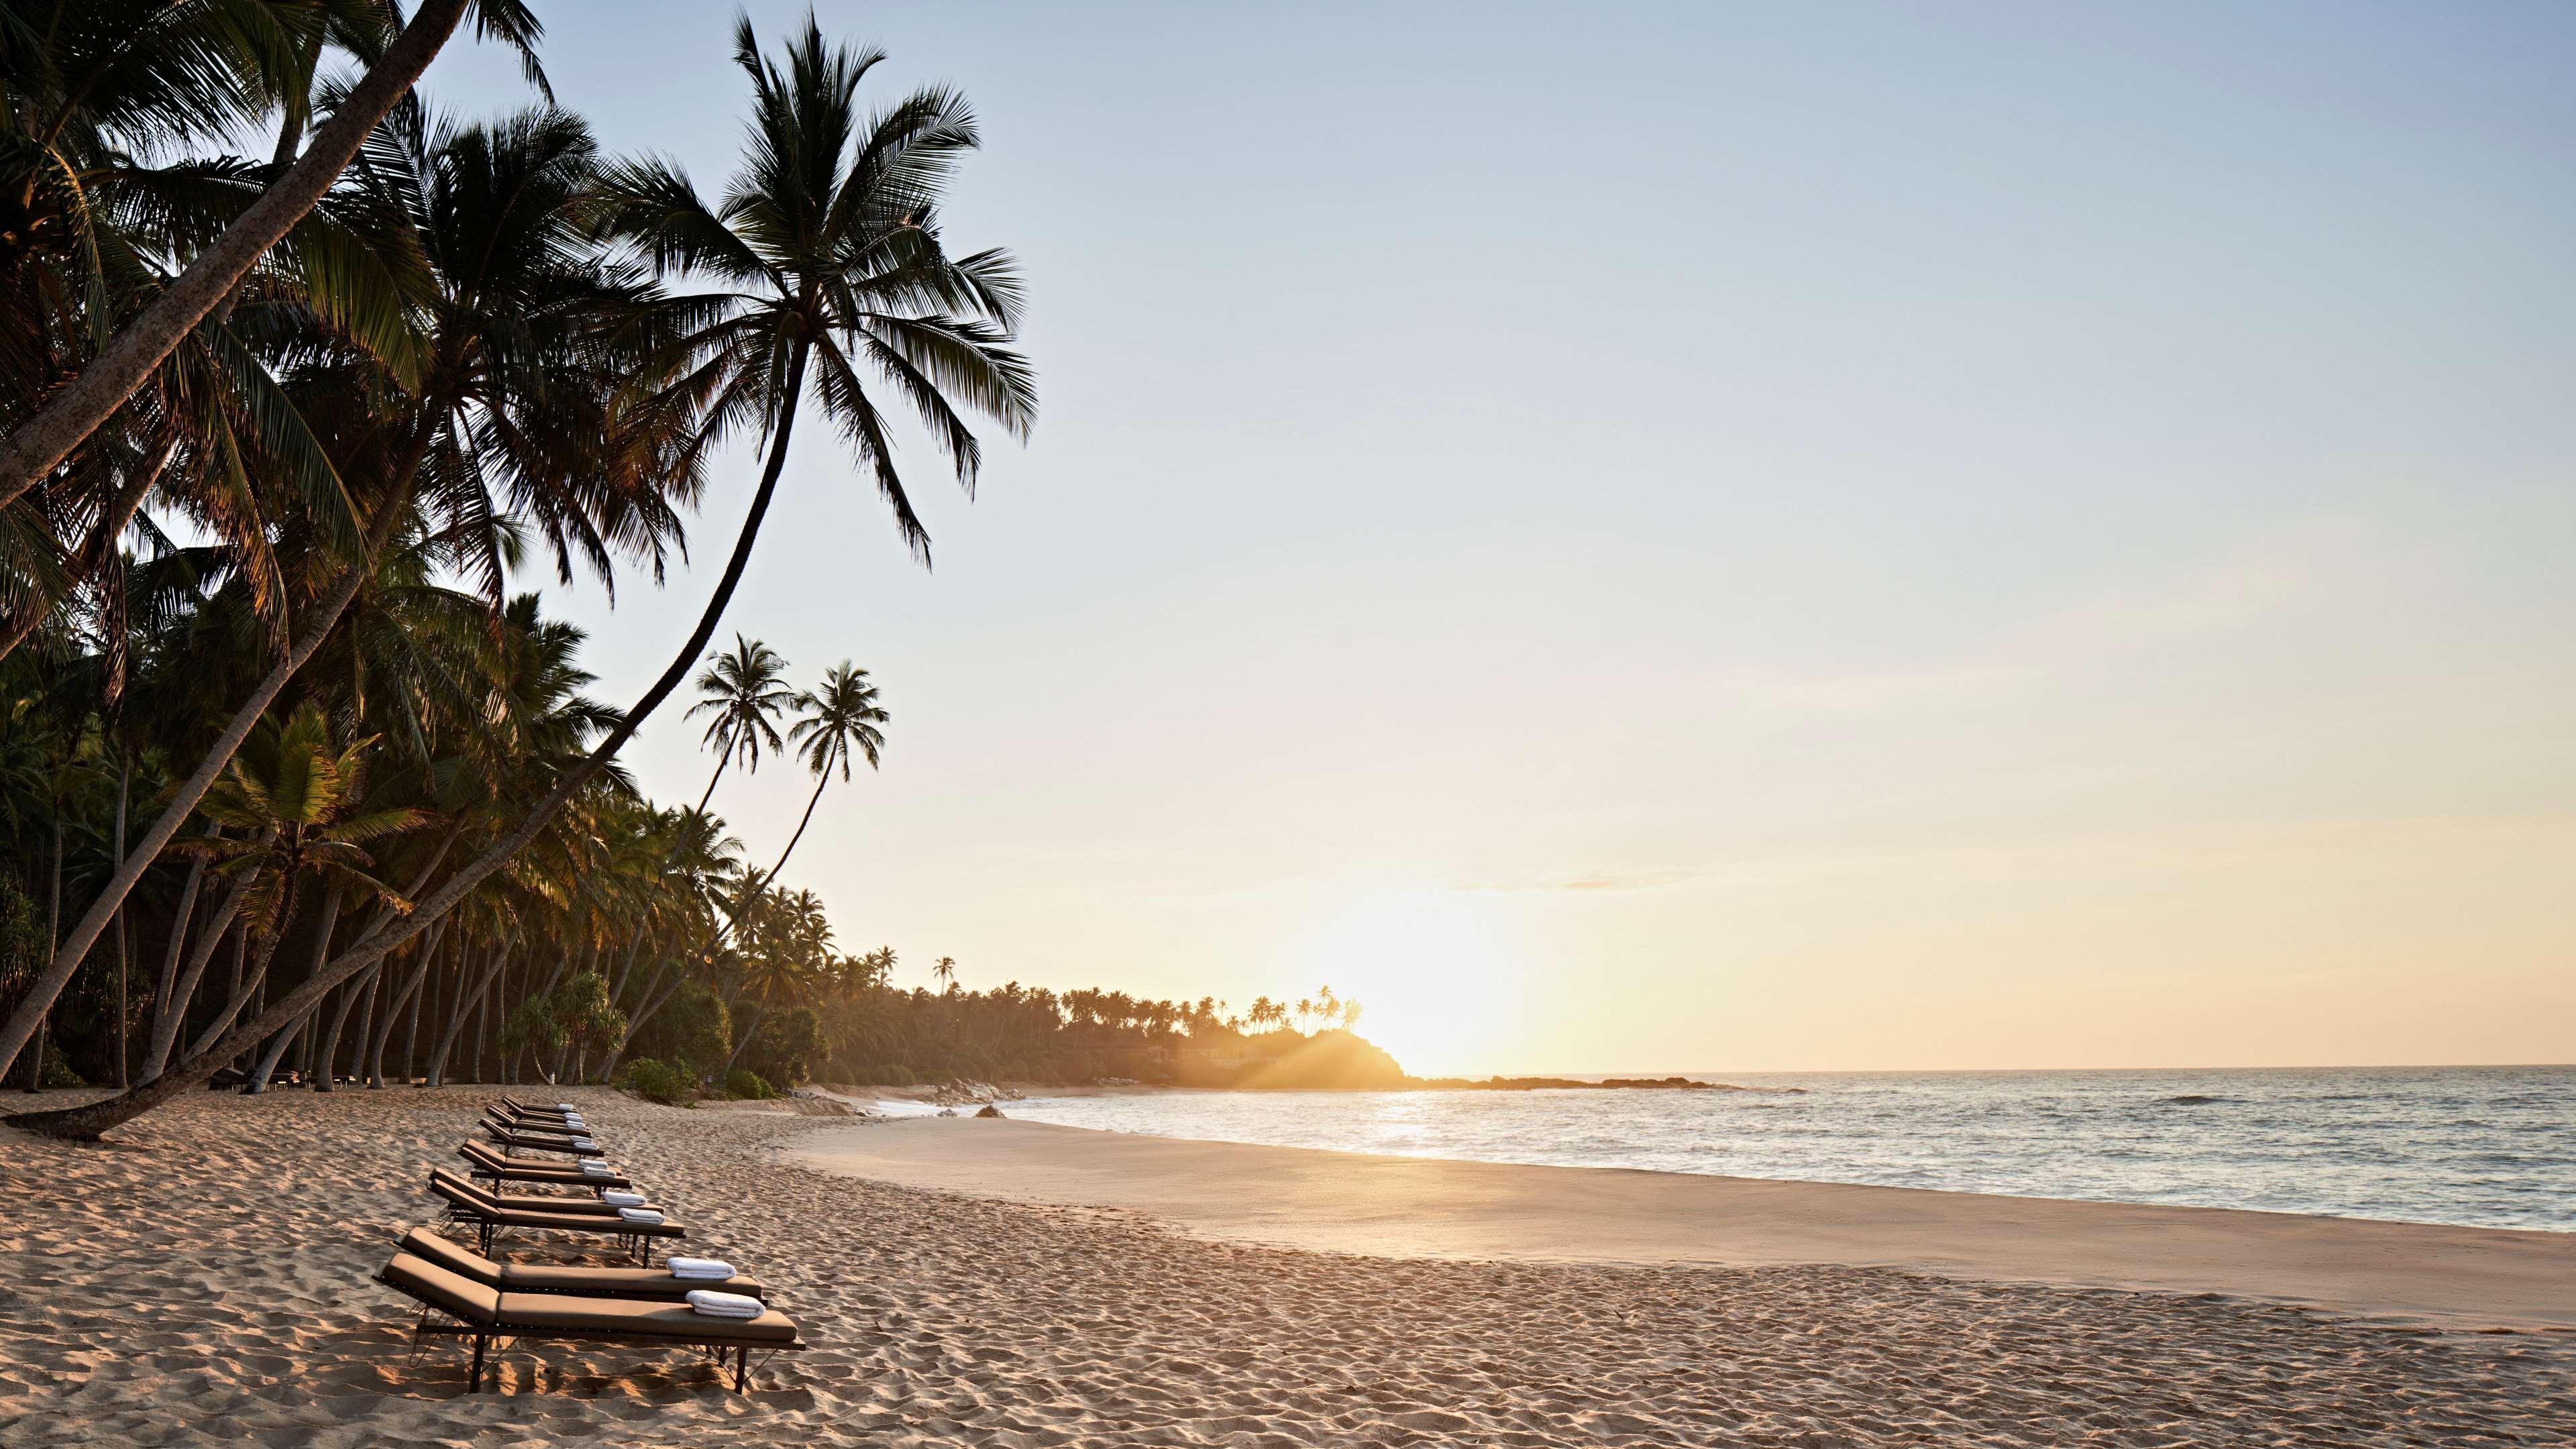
(204, 1279)
(2457, 1279)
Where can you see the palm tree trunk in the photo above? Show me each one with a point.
(124, 791)
(654, 995)
(328, 1078)
(411, 1034)
(268, 1060)
(32, 452)
(53, 932)
(175, 812)
(710, 793)
(409, 993)
(469, 1002)
(67, 956)
(482, 1021)
(748, 1027)
(97, 1117)
(166, 1029)
(217, 1030)
(371, 988)
(806, 819)
(182, 917)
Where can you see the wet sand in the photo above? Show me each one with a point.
(204, 1279)
(2455, 1278)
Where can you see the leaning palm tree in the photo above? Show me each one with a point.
(745, 691)
(826, 251)
(134, 61)
(839, 720)
(292, 802)
(504, 420)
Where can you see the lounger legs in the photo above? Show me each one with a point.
(474, 1380)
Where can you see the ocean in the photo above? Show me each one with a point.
(2476, 1146)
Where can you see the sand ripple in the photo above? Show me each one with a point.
(205, 1281)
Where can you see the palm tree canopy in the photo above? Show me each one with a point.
(826, 248)
(744, 691)
(840, 719)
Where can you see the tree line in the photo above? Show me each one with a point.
(290, 778)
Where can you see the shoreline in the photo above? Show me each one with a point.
(203, 1278)
(2437, 1275)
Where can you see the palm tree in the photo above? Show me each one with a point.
(293, 801)
(136, 77)
(500, 416)
(744, 691)
(944, 970)
(839, 720)
(785, 964)
(828, 256)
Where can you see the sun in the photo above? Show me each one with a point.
(1441, 976)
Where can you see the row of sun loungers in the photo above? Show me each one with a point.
(466, 1294)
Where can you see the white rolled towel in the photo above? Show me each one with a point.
(621, 1198)
(593, 1167)
(643, 1215)
(566, 1107)
(584, 1144)
(715, 1269)
(574, 1120)
(723, 1305)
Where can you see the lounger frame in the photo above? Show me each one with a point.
(494, 1336)
(552, 1174)
(486, 1224)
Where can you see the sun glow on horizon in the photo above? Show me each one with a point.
(1442, 977)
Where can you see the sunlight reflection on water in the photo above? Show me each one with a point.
(2480, 1146)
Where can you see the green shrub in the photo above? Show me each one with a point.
(655, 1081)
(786, 1046)
(58, 1070)
(744, 1083)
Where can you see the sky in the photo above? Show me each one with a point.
(1707, 537)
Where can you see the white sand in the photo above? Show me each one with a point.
(204, 1280)
(2458, 1278)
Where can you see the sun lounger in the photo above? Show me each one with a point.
(534, 1126)
(534, 1111)
(536, 1202)
(534, 1121)
(467, 1203)
(525, 1141)
(659, 1283)
(569, 1136)
(455, 1306)
(482, 1161)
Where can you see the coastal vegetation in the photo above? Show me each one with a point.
(291, 777)
(295, 784)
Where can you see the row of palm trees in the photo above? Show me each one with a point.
(868, 1030)
(277, 433)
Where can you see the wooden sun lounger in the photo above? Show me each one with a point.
(455, 1306)
(517, 1108)
(657, 1283)
(532, 1126)
(467, 1203)
(532, 1121)
(482, 1161)
(533, 1142)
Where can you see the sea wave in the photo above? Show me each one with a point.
(2474, 1146)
